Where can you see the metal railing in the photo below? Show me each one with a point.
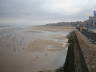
(90, 35)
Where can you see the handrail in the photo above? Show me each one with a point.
(90, 35)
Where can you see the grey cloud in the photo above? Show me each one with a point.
(32, 10)
(18, 7)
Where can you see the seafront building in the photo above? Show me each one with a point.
(92, 21)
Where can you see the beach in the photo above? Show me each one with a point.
(33, 49)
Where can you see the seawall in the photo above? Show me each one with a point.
(81, 54)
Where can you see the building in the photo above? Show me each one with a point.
(92, 21)
(94, 13)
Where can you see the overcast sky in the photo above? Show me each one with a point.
(44, 11)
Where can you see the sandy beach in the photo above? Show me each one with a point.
(33, 49)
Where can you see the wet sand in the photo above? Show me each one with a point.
(32, 49)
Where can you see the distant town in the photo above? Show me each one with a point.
(89, 24)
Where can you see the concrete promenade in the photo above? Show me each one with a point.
(89, 51)
(81, 55)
